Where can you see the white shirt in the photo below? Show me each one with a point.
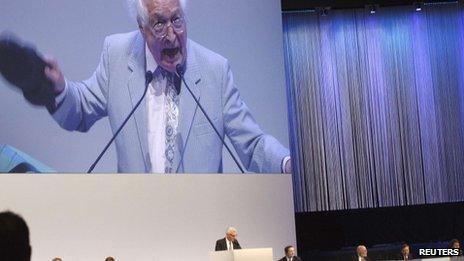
(229, 244)
(156, 122)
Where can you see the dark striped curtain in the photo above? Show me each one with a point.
(376, 106)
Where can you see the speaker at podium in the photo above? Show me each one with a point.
(251, 254)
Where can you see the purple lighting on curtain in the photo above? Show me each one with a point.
(376, 106)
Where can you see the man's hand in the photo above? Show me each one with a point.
(53, 72)
(288, 166)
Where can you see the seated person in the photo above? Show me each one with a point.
(290, 254)
(405, 253)
(14, 238)
(454, 244)
(361, 254)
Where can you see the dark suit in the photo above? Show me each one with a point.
(221, 244)
(356, 258)
(295, 258)
(400, 257)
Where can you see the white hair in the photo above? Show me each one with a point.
(138, 10)
(231, 229)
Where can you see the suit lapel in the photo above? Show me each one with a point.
(187, 106)
(236, 245)
(136, 87)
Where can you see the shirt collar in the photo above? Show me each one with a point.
(151, 63)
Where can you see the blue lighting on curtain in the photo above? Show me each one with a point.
(376, 106)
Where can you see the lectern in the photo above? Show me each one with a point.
(253, 254)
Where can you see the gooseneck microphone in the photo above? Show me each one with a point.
(148, 79)
(180, 73)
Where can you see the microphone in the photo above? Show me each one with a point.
(180, 72)
(148, 79)
(177, 84)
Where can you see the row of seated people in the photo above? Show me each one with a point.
(405, 252)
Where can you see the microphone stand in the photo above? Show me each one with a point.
(148, 79)
(180, 73)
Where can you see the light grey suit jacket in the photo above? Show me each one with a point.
(118, 83)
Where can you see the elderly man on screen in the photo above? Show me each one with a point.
(168, 132)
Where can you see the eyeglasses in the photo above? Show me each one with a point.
(160, 28)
